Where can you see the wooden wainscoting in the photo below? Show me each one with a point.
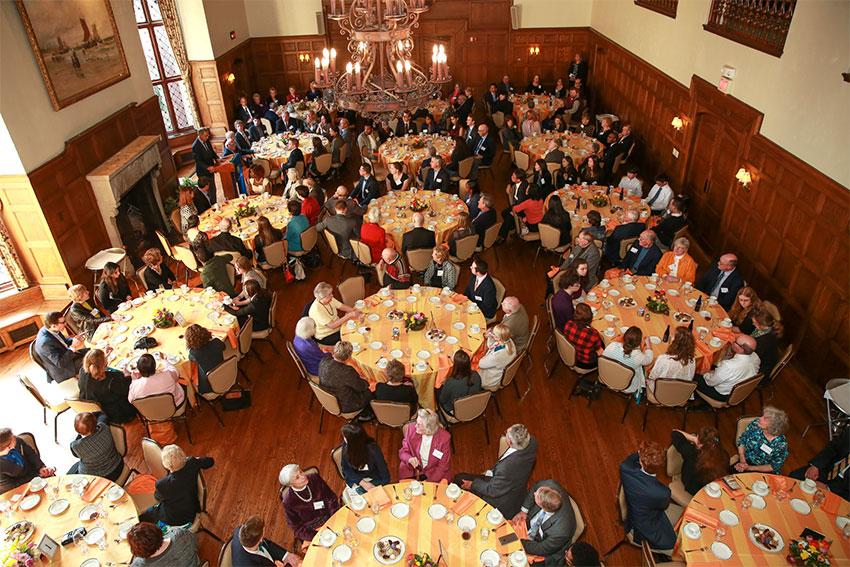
(239, 61)
(557, 47)
(277, 64)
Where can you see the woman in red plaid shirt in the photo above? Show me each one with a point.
(585, 338)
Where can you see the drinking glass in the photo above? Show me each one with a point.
(450, 518)
(781, 494)
(466, 537)
(720, 531)
(6, 508)
(746, 503)
(80, 542)
(846, 532)
(485, 533)
(102, 542)
(818, 499)
(408, 494)
(375, 507)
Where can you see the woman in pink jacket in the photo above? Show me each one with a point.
(426, 451)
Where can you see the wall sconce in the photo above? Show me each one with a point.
(230, 78)
(743, 176)
(304, 57)
(534, 51)
(677, 123)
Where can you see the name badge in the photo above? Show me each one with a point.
(478, 298)
(440, 273)
(724, 290)
(635, 250)
(437, 453)
(765, 449)
(318, 505)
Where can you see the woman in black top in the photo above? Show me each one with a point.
(397, 388)
(560, 90)
(534, 87)
(177, 492)
(429, 126)
(567, 175)
(108, 387)
(542, 177)
(703, 459)
(559, 218)
(266, 234)
(259, 307)
(591, 172)
(767, 332)
(510, 134)
(397, 180)
(460, 153)
(318, 149)
(206, 351)
(157, 274)
(463, 381)
(114, 288)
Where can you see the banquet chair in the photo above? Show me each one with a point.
(771, 378)
(362, 252)
(336, 456)
(674, 470)
(140, 278)
(265, 334)
(498, 119)
(225, 556)
(464, 249)
(837, 406)
(231, 273)
(160, 408)
(740, 426)
(669, 393)
(488, 169)
(418, 259)
(352, 289)
(152, 452)
(334, 248)
(330, 404)
(649, 559)
(299, 167)
(273, 175)
(580, 523)
(529, 236)
(197, 525)
(553, 167)
(309, 237)
(119, 439)
(624, 246)
(468, 409)
(419, 180)
(245, 339)
(622, 514)
(29, 439)
(275, 254)
(302, 370)
(336, 167)
(550, 238)
(679, 234)
(187, 258)
(391, 414)
(772, 309)
(222, 378)
(464, 167)
(616, 376)
(490, 237)
(508, 377)
(532, 337)
(567, 356)
(521, 160)
(550, 315)
(81, 406)
(379, 171)
(739, 394)
(51, 399)
(323, 163)
(500, 295)
(503, 446)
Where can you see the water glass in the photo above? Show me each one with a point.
(80, 542)
(408, 494)
(720, 531)
(102, 543)
(485, 533)
(781, 494)
(375, 507)
(746, 503)
(846, 531)
(818, 499)
(6, 508)
(450, 518)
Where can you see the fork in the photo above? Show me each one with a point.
(706, 505)
(695, 549)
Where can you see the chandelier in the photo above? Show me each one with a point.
(381, 80)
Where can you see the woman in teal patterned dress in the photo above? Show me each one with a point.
(762, 447)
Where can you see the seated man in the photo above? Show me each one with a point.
(366, 188)
(62, 357)
(342, 227)
(503, 486)
(481, 289)
(553, 152)
(630, 228)
(214, 270)
(295, 155)
(438, 179)
(406, 126)
(631, 184)
(418, 236)
(549, 520)
(368, 143)
(651, 514)
(642, 257)
(395, 271)
(742, 363)
(19, 463)
(585, 249)
(248, 547)
(149, 382)
(343, 381)
(830, 468)
(516, 319)
(485, 218)
(722, 280)
(670, 223)
(659, 196)
(224, 241)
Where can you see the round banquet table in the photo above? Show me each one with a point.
(419, 532)
(612, 212)
(578, 147)
(273, 147)
(542, 106)
(441, 215)
(401, 149)
(195, 305)
(272, 207)
(612, 315)
(777, 515)
(452, 310)
(301, 110)
(55, 526)
(437, 108)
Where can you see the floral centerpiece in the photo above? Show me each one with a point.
(657, 303)
(188, 182)
(809, 552)
(244, 209)
(418, 144)
(163, 319)
(417, 204)
(414, 321)
(598, 201)
(420, 560)
(302, 106)
(17, 554)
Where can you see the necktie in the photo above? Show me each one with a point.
(717, 282)
(534, 527)
(654, 198)
(839, 468)
(478, 147)
(640, 257)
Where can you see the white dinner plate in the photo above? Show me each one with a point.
(473, 308)
(489, 558)
(396, 353)
(495, 517)
(421, 366)
(213, 316)
(388, 303)
(410, 299)
(359, 304)
(629, 287)
(613, 293)
(451, 340)
(672, 292)
(29, 502)
(721, 550)
(757, 501)
(173, 298)
(701, 329)
(841, 521)
(366, 525)
(649, 286)
(728, 517)
(423, 354)
(705, 314)
(449, 307)
(91, 562)
(86, 513)
(376, 345)
(362, 330)
(691, 530)
(800, 506)
(434, 299)
(382, 363)
(228, 319)
(94, 535)
(655, 340)
(691, 302)
(373, 317)
(396, 557)
(458, 326)
(120, 329)
(398, 229)
(400, 510)
(466, 523)
(341, 553)
(437, 511)
(173, 359)
(138, 301)
(779, 543)
(58, 507)
(212, 305)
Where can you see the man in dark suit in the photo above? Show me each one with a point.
(249, 548)
(630, 228)
(406, 126)
(438, 179)
(504, 488)
(61, 356)
(242, 137)
(650, 514)
(342, 227)
(224, 241)
(503, 105)
(830, 467)
(549, 520)
(272, 117)
(672, 222)
(204, 155)
(506, 86)
(295, 154)
(343, 381)
(492, 97)
(483, 150)
(418, 236)
(485, 218)
(554, 153)
(642, 256)
(341, 194)
(256, 131)
(471, 131)
(288, 124)
(243, 110)
(464, 106)
(722, 280)
(366, 188)
(204, 196)
(481, 289)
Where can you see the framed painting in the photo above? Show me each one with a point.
(77, 46)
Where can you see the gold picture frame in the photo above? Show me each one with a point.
(74, 59)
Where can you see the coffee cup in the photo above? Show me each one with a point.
(475, 329)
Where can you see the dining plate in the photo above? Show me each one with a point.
(800, 506)
(212, 305)
(29, 502)
(841, 521)
(761, 488)
(451, 340)
(373, 317)
(649, 286)
(388, 550)
(355, 347)
(715, 342)
(701, 329)
(91, 562)
(458, 325)
(705, 314)
(423, 354)
(766, 538)
(120, 329)
(489, 558)
(115, 493)
(341, 553)
(757, 501)
(629, 287)
(196, 299)
(58, 507)
(173, 359)
(396, 353)
(79, 481)
(655, 340)
(437, 511)
(124, 529)
(362, 330)
(173, 298)
(473, 308)
(495, 517)
(613, 293)
(721, 550)
(382, 363)
(23, 530)
(138, 301)
(366, 524)
(359, 304)
(143, 330)
(88, 513)
(400, 510)
(518, 558)
(466, 523)
(376, 345)
(410, 299)
(728, 517)
(398, 229)
(672, 293)
(691, 530)
(94, 535)
(691, 302)
(228, 319)
(449, 307)
(388, 303)
(213, 316)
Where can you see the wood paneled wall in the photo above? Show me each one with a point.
(211, 104)
(557, 48)
(66, 198)
(277, 64)
(240, 62)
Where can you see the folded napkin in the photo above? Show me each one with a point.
(379, 495)
(613, 273)
(234, 342)
(373, 301)
(551, 273)
(458, 298)
(699, 517)
(463, 503)
(522, 532)
(777, 482)
(22, 491)
(443, 370)
(612, 224)
(95, 488)
(725, 334)
(704, 364)
(831, 503)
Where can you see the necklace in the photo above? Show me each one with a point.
(309, 492)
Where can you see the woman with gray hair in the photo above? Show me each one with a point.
(676, 265)
(325, 313)
(426, 451)
(762, 446)
(308, 503)
(177, 492)
(306, 347)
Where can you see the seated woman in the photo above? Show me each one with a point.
(156, 275)
(363, 464)
(567, 175)
(308, 503)
(373, 234)
(318, 150)
(95, 448)
(257, 182)
(462, 229)
(679, 362)
(455, 126)
(596, 230)
(430, 126)
(542, 177)
(110, 388)
(83, 314)
(246, 270)
(766, 331)
(591, 172)
(510, 134)
(531, 125)
(441, 272)
(306, 346)
(500, 352)
(19, 463)
(397, 180)
(628, 353)
(746, 303)
(462, 381)
(585, 338)
(398, 387)
(460, 152)
(473, 196)
(148, 382)
(762, 446)
(192, 230)
(558, 124)
(562, 302)
(114, 288)
(532, 208)
(703, 459)
(293, 180)
(298, 223)
(676, 265)
(426, 451)
(558, 218)
(258, 307)
(177, 491)
(325, 312)
(205, 351)
(266, 235)
(151, 548)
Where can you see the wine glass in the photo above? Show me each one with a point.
(466, 537)
(485, 533)
(450, 518)
(80, 542)
(720, 531)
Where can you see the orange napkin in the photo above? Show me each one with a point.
(613, 273)
(444, 368)
(142, 484)
(551, 273)
(458, 298)
(95, 488)
(379, 495)
(373, 301)
(701, 518)
(725, 334)
(234, 342)
(707, 356)
(522, 533)
(777, 482)
(831, 503)
(612, 224)
(463, 503)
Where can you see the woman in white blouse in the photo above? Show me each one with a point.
(293, 180)
(628, 352)
(680, 360)
(257, 181)
(500, 353)
(531, 125)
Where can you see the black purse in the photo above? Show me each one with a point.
(145, 343)
(236, 400)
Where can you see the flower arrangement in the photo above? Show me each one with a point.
(245, 210)
(418, 144)
(809, 552)
(17, 554)
(417, 204)
(420, 560)
(302, 106)
(163, 319)
(657, 303)
(188, 182)
(414, 321)
(598, 201)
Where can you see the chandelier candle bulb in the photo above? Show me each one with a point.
(349, 70)
(407, 73)
(318, 65)
(434, 65)
(398, 74)
(333, 61)
(357, 74)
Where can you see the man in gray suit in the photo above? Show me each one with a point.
(503, 486)
(550, 521)
(516, 319)
(587, 250)
(342, 227)
(60, 355)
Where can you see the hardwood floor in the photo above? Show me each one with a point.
(581, 447)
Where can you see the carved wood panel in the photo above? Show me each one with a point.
(211, 103)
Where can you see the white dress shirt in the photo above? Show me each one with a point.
(665, 194)
(633, 187)
(731, 371)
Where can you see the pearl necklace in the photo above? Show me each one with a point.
(309, 492)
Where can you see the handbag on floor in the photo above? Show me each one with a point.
(236, 400)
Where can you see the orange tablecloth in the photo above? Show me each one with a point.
(437, 108)
(273, 148)
(777, 515)
(542, 105)
(272, 207)
(612, 212)
(401, 149)
(577, 147)
(444, 207)
(411, 343)
(418, 531)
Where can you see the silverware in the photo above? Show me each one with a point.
(117, 503)
(706, 505)
(396, 493)
(742, 483)
(482, 509)
(122, 521)
(698, 549)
